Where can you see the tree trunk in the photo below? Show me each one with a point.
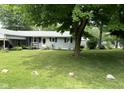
(78, 34)
(100, 37)
(77, 44)
(116, 43)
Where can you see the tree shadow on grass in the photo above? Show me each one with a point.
(61, 62)
(90, 63)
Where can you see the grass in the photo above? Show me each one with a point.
(53, 68)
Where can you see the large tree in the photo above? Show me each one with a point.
(116, 24)
(102, 16)
(73, 18)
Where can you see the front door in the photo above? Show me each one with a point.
(44, 40)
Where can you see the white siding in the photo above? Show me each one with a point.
(60, 44)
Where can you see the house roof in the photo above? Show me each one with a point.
(34, 33)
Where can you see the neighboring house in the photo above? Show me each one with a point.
(37, 39)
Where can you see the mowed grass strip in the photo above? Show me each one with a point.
(90, 69)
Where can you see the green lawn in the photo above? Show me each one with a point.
(53, 68)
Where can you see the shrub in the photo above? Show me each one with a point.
(81, 46)
(24, 47)
(92, 43)
(45, 47)
(122, 42)
(59, 48)
(6, 50)
(102, 47)
(17, 48)
(109, 45)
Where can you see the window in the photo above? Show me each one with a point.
(44, 40)
(53, 39)
(71, 40)
(56, 39)
(39, 39)
(50, 38)
(65, 39)
(35, 39)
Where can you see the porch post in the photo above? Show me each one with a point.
(28, 41)
(4, 42)
(33, 39)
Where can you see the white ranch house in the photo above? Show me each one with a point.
(37, 39)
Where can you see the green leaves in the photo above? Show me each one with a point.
(116, 24)
(79, 12)
(45, 15)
